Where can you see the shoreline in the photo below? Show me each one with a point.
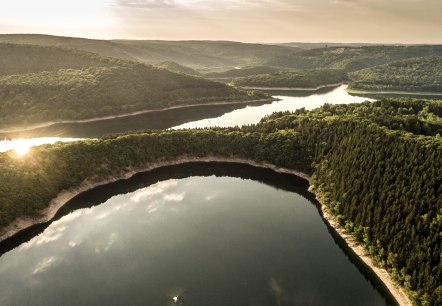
(46, 124)
(65, 196)
(293, 88)
(394, 92)
(358, 249)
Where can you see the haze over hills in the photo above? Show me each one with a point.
(201, 55)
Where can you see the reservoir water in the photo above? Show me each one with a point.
(192, 117)
(202, 233)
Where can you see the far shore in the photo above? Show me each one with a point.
(46, 124)
(293, 88)
(394, 92)
(65, 196)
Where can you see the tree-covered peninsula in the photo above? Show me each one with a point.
(43, 84)
(417, 74)
(376, 166)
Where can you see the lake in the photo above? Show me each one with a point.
(203, 233)
(192, 117)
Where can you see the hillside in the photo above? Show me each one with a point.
(376, 166)
(418, 74)
(17, 59)
(353, 58)
(71, 94)
(293, 78)
(243, 72)
(174, 67)
(201, 55)
(308, 46)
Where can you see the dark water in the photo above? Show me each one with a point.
(213, 233)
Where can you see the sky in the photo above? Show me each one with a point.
(370, 21)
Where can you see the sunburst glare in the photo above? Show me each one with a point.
(22, 146)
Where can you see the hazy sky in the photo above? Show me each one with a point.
(402, 21)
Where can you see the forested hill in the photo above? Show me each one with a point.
(174, 67)
(17, 59)
(377, 166)
(71, 94)
(202, 55)
(353, 58)
(243, 72)
(40, 84)
(308, 78)
(417, 74)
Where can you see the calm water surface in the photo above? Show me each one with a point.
(288, 101)
(194, 117)
(182, 231)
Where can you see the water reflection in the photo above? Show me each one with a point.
(288, 101)
(269, 249)
(199, 116)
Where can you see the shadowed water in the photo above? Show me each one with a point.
(246, 236)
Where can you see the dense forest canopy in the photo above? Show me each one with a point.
(174, 67)
(377, 166)
(243, 72)
(293, 78)
(41, 84)
(353, 58)
(417, 74)
(17, 59)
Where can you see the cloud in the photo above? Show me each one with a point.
(44, 265)
(174, 197)
(146, 3)
(149, 192)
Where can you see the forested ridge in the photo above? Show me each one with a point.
(174, 67)
(293, 78)
(417, 74)
(207, 56)
(376, 165)
(353, 58)
(18, 59)
(41, 84)
(243, 72)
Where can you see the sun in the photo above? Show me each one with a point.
(22, 148)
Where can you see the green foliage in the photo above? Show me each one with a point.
(116, 87)
(174, 67)
(243, 72)
(18, 59)
(378, 166)
(418, 74)
(353, 58)
(293, 78)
